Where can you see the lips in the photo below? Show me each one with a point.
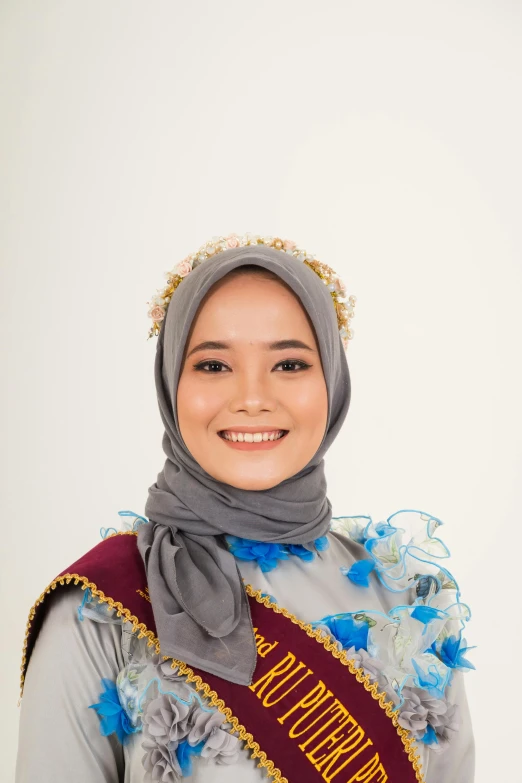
(238, 436)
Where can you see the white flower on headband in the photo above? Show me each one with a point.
(344, 305)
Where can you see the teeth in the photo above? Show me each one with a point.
(252, 437)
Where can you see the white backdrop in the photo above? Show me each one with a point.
(382, 136)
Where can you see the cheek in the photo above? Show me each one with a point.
(197, 403)
(310, 403)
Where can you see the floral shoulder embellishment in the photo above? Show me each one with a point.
(150, 697)
(268, 555)
(114, 718)
(414, 649)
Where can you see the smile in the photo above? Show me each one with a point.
(253, 441)
(252, 437)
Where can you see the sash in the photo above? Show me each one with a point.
(309, 714)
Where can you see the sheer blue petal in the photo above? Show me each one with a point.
(359, 572)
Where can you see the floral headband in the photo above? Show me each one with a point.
(344, 305)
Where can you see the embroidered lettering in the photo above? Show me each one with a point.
(337, 707)
(332, 737)
(346, 718)
(369, 772)
(349, 744)
(280, 668)
(267, 703)
(263, 648)
(145, 594)
(312, 700)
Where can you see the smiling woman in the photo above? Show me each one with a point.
(251, 391)
(238, 631)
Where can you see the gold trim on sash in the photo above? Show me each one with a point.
(100, 595)
(244, 735)
(206, 690)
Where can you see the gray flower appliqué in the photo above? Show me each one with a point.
(167, 721)
(420, 710)
(220, 745)
(160, 763)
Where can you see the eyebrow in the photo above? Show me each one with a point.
(279, 345)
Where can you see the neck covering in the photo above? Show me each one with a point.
(197, 594)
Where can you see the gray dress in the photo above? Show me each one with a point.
(60, 737)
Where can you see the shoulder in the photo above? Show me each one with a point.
(113, 573)
(118, 551)
(64, 642)
(418, 643)
(62, 673)
(62, 621)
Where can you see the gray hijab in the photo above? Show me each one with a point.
(196, 590)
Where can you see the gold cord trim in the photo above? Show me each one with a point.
(121, 611)
(388, 706)
(67, 578)
(244, 735)
(201, 686)
(273, 772)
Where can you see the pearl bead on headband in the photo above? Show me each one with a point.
(344, 305)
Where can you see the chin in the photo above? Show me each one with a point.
(252, 483)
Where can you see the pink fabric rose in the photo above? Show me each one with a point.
(157, 313)
(288, 244)
(232, 241)
(183, 268)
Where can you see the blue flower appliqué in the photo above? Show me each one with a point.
(359, 572)
(184, 753)
(425, 614)
(114, 719)
(268, 555)
(300, 551)
(349, 629)
(451, 651)
(432, 679)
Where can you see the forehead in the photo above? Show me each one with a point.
(252, 306)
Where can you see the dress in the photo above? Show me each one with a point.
(162, 732)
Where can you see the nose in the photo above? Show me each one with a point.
(252, 392)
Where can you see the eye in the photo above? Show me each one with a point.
(211, 366)
(214, 366)
(294, 365)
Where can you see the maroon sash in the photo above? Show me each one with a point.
(308, 715)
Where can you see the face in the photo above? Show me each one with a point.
(252, 399)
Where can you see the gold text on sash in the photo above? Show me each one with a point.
(329, 735)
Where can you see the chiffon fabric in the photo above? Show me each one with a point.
(60, 737)
(199, 603)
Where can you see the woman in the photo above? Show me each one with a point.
(238, 632)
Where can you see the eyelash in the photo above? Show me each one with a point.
(302, 365)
